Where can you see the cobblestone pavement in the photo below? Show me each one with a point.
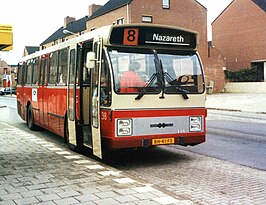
(34, 170)
(203, 180)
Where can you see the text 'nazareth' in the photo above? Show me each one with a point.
(174, 39)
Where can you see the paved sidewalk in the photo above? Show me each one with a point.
(245, 102)
(34, 170)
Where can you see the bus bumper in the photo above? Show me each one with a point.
(109, 144)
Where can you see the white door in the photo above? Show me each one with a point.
(95, 103)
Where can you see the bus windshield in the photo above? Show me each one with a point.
(153, 71)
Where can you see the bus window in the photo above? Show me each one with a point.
(35, 71)
(184, 70)
(43, 78)
(105, 94)
(29, 72)
(82, 56)
(72, 67)
(62, 69)
(53, 68)
(124, 63)
(21, 68)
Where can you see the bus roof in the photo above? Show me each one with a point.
(101, 32)
(148, 35)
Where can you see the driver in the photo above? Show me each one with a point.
(130, 81)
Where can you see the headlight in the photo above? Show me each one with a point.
(195, 124)
(124, 127)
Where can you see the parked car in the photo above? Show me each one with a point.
(2, 91)
(7, 91)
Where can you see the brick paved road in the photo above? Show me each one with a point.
(34, 170)
(203, 180)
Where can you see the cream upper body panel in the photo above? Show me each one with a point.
(153, 101)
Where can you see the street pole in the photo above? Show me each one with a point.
(10, 82)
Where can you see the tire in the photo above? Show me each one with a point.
(66, 133)
(30, 119)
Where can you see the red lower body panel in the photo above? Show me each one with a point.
(153, 127)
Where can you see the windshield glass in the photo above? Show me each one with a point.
(136, 70)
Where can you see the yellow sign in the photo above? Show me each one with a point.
(6, 38)
(163, 141)
(7, 48)
(5, 28)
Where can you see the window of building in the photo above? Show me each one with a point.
(166, 4)
(120, 21)
(147, 19)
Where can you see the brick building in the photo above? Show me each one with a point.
(71, 28)
(30, 49)
(182, 13)
(189, 14)
(7, 73)
(239, 32)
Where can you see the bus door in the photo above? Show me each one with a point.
(85, 88)
(95, 64)
(21, 93)
(72, 98)
(42, 96)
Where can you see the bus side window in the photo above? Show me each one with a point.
(43, 74)
(35, 71)
(29, 72)
(72, 66)
(62, 69)
(21, 68)
(86, 75)
(87, 47)
(53, 68)
(105, 94)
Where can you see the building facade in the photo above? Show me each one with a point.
(30, 49)
(189, 14)
(239, 32)
(8, 75)
(181, 13)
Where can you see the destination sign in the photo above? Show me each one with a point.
(153, 36)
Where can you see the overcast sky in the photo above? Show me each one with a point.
(33, 21)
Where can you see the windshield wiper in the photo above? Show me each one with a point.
(143, 91)
(158, 75)
(170, 80)
(161, 76)
(176, 85)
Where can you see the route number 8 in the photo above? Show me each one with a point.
(131, 36)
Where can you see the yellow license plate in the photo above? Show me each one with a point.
(163, 141)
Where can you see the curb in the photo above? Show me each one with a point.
(234, 110)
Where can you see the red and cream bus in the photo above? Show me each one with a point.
(77, 89)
